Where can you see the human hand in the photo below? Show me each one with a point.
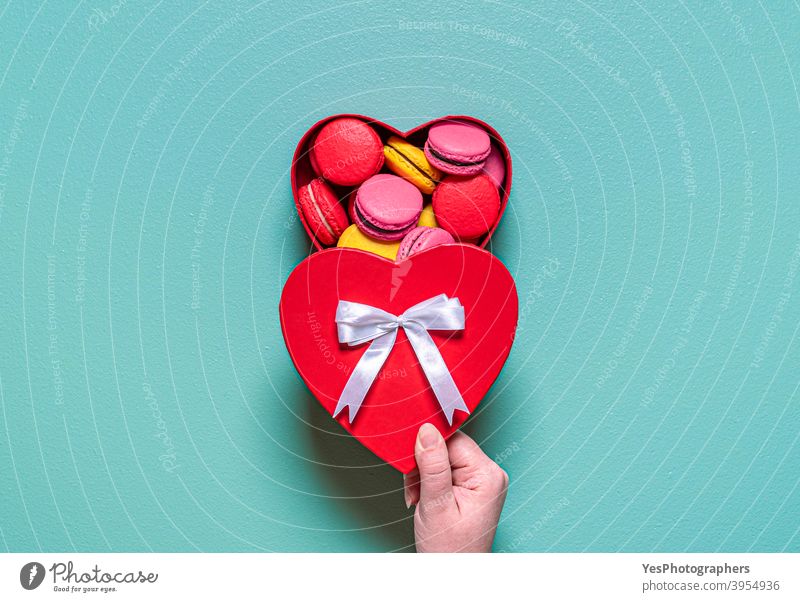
(459, 493)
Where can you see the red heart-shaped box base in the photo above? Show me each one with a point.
(302, 172)
(400, 399)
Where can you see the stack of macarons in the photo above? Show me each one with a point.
(393, 198)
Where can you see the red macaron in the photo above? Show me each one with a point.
(466, 206)
(346, 152)
(324, 214)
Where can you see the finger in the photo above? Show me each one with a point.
(464, 452)
(411, 488)
(472, 468)
(433, 462)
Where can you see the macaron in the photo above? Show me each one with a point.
(323, 212)
(354, 238)
(346, 151)
(457, 148)
(386, 207)
(466, 206)
(421, 239)
(410, 162)
(495, 166)
(427, 218)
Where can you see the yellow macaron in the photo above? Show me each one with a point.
(354, 238)
(409, 162)
(427, 218)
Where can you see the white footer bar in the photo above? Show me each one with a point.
(402, 577)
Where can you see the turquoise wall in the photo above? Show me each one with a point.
(650, 402)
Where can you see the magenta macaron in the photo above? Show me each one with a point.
(495, 167)
(457, 148)
(386, 207)
(422, 238)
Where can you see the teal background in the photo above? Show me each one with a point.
(650, 402)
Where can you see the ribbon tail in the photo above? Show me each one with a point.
(436, 371)
(453, 404)
(360, 381)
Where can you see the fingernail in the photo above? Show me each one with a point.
(428, 436)
(408, 503)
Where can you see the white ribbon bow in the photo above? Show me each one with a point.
(358, 323)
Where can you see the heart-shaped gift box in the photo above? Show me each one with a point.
(400, 399)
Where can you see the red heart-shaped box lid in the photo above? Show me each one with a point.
(400, 399)
(302, 172)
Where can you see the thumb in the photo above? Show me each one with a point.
(435, 479)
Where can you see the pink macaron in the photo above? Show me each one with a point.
(422, 238)
(495, 167)
(457, 148)
(386, 207)
(324, 214)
